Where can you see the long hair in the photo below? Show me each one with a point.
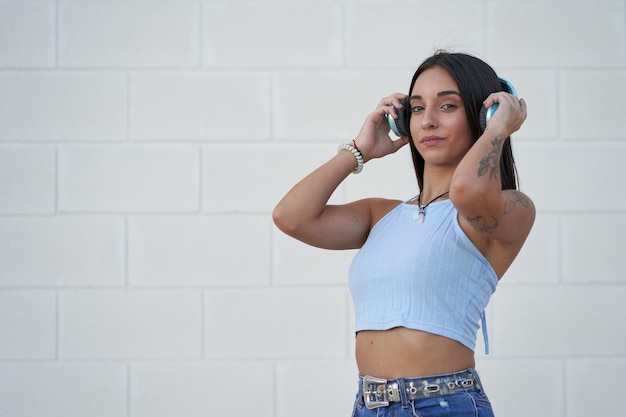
(476, 80)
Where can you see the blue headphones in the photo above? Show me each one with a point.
(400, 125)
(485, 114)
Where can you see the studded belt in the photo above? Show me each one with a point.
(379, 392)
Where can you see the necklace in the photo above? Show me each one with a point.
(422, 209)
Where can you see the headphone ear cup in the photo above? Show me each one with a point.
(485, 114)
(400, 126)
(482, 118)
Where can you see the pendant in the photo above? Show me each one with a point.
(419, 216)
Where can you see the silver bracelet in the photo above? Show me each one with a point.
(357, 154)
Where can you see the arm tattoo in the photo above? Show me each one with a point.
(491, 162)
(512, 199)
(480, 224)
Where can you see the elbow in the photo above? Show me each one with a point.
(278, 217)
(284, 222)
(466, 191)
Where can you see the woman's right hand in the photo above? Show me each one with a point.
(373, 139)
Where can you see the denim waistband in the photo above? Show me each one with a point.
(380, 392)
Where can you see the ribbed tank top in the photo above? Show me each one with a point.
(424, 276)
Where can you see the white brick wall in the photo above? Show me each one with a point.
(143, 145)
(64, 389)
(62, 106)
(97, 34)
(27, 34)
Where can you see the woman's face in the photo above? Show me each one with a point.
(439, 125)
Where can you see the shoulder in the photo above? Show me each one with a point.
(380, 207)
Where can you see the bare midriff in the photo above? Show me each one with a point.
(402, 352)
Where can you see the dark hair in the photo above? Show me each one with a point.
(476, 80)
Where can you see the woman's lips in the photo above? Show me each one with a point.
(431, 140)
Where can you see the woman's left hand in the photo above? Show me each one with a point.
(510, 114)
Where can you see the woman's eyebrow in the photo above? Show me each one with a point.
(439, 94)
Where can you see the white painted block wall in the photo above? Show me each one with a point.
(143, 145)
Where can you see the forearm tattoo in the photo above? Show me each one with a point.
(491, 163)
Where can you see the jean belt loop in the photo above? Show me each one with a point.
(404, 398)
(360, 393)
(477, 382)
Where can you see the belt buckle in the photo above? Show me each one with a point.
(377, 398)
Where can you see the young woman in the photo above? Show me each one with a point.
(426, 267)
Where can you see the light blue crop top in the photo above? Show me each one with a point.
(425, 276)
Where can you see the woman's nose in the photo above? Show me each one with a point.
(428, 120)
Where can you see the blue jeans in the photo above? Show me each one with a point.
(462, 404)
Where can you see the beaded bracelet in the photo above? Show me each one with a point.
(357, 154)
